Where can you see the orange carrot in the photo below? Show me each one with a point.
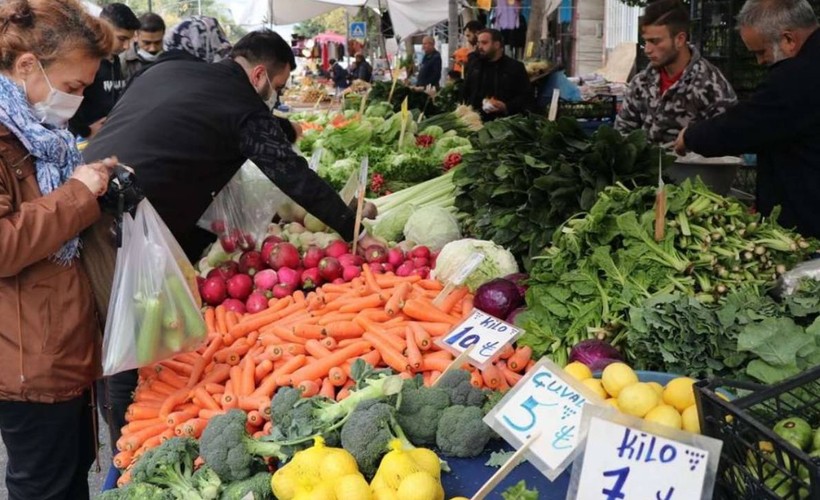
(316, 349)
(268, 386)
(518, 361)
(330, 343)
(135, 440)
(424, 310)
(370, 281)
(510, 376)
(335, 317)
(170, 377)
(247, 383)
(250, 403)
(360, 304)
(194, 427)
(396, 301)
(344, 330)
(205, 399)
(476, 379)
(506, 351)
(230, 320)
(320, 367)
(454, 298)
(140, 412)
(203, 361)
(436, 329)
(327, 389)
(221, 319)
(263, 368)
(432, 285)
(413, 351)
(210, 319)
(423, 339)
(209, 414)
(388, 280)
(255, 418)
(466, 306)
(492, 376)
(309, 388)
(337, 376)
(123, 459)
(429, 363)
(180, 368)
(214, 388)
(177, 417)
(307, 331)
(391, 356)
(138, 425)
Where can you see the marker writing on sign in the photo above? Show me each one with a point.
(616, 492)
(564, 438)
(561, 389)
(488, 348)
(529, 406)
(645, 451)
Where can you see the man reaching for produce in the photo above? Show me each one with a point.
(780, 122)
(679, 86)
(497, 85)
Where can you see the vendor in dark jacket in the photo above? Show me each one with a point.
(781, 121)
(496, 85)
(430, 70)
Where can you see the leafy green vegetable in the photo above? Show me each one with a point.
(520, 492)
(499, 458)
(498, 262)
(432, 227)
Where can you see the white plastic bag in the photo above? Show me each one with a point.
(154, 308)
(241, 212)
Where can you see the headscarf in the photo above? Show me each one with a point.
(54, 150)
(200, 36)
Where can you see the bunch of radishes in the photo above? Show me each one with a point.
(277, 270)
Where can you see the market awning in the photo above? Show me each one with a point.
(330, 37)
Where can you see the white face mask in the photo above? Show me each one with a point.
(274, 96)
(147, 56)
(58, 107)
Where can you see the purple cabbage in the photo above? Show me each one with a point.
(498, 298)
(596, 354)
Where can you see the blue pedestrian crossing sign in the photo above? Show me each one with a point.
(358, 30)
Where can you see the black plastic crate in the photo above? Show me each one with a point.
(755, 463)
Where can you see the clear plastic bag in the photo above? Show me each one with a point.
(790, 281)
(241, 212)
(154, 311)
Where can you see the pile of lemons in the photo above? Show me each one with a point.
(673, 405)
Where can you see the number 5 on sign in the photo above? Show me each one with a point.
(486, 334)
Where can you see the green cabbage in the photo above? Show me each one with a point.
(498, 262)
(390, 226)
(433, 130)
(432, 227)
(339, 171)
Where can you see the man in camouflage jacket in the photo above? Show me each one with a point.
(679, 86)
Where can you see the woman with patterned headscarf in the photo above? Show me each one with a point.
(199, 36)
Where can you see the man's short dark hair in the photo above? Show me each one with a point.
(495, 35)
(670, 13)
(265, 47)
(474, 26)
(121, 16)
(332, 62)
(151, 23)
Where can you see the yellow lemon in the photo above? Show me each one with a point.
(691, 422)
(658, 388)
(385, 493)
(617, 376)
(664, 415)
(578, 370)
(680, 393)
(427, 460)
(337, 463)
(353, 487)
(637, 399)
(420, 486)
(595, 385)
(612, 402)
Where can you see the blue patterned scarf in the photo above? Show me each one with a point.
(54, 150)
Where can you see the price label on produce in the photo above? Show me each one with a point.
(315, 159)
(625, 458)
(547, 402)
(486, 334)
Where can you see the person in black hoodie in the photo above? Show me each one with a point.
(781, 121)
(496, 85)
(110, 82)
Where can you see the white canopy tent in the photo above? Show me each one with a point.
(92, 8)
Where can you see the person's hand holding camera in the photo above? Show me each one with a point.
(95, 175)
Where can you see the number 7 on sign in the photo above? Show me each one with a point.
(617, 491)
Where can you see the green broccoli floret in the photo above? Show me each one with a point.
(207, 482)
(136, 491)
(258, 485)
(493, 398)
(170, 465)
(419, 410)
(228, 449)
(462, 432)
(461, 391)
(368, 432)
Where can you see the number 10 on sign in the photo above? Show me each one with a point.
(488, 334)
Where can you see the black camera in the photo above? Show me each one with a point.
(123, 194)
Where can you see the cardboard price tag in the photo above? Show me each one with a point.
(363, 170)
(625, 458)
(546, 401)
(486, 334)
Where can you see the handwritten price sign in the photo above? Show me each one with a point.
(487, 333)
(549, 402)
(625, 458)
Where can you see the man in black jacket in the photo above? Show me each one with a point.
(781, 122)
(430, 69)
(497, 85)
(147, 46)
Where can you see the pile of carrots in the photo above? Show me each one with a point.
(305, 341)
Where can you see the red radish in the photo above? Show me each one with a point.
(282, 290)
(420, 262)
(257, 302)
(349, 273)
(406, 269)
(240, 286)
(214, 291)
(228, 269)
(337, 248)
(330, 269)
(228, 243)
(218, 227)
(313, 255)
(375, 267)
(311, 278)
(395, 257)
(200, 281)
(375, 253)
(265, 279)
(420, 251)
(246, 241)
(251, 262)
(284, 255)
(349, 259)
(214, 273)
(268, 244)
(424, 272)
(235, 305)
(433, 260)
(338, 281)
(289, 277)
(388, 268)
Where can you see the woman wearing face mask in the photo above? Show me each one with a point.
(49, 340)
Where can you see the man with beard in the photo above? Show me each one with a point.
(497, 85)
(679, 86)
(467, 54)
(780, 122)
(148, 46)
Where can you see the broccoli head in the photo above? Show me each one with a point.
(228, 449)
(368, 432)
(461, 391)
(258, 485)
(419, 410)
(462, 432)
(207, 483)
(136, 491)
(170, 465)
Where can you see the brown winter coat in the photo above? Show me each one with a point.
(49, 337)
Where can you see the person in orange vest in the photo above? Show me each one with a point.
(464, 55)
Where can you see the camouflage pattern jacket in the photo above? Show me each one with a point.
(701, 93)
